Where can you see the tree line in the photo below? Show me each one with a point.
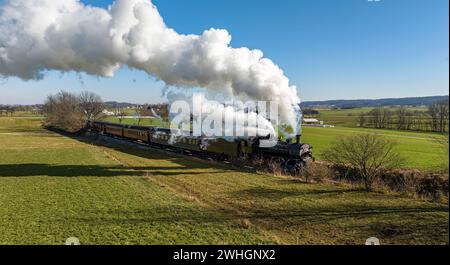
(72, 112)
(435, 118)
(11, 110)
(159, 110)
(7, 111)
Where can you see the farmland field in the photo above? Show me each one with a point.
(348, 117)
(419, 150)
(53, 187)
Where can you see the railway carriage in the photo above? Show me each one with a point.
(221, 146)
(189, 143)
(160, 136)
(136, 133)
(293, 156)
(113, 129)
(97, 126)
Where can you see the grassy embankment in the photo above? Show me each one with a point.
(53, 187)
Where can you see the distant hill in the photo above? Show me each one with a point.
(350, 103)
(115, 104)
(357, 103)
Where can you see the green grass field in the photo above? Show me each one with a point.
(349, 117)
(53, 187)
(142, 122)
(419, 150)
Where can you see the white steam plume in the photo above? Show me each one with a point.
(66, 35)
(243, 122)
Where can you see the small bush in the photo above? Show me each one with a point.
(434, 187)
(371, 155)
(317, 172)
(246, 223)
(259, 163)
(274, 167)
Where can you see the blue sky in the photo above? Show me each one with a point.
(330, 49)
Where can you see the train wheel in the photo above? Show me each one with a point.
(291, 167)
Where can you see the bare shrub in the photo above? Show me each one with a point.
(415, 183)
(269, 166)
(259, 163)
(403, 181)
(371, 155)
(246, 223)
(317, 172)
(274, 167)
(410, 184)
(434, 187)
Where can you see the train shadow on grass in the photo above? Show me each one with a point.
(30, 170)
(181, 165)
(144, 151)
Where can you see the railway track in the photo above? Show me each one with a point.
(111, 139)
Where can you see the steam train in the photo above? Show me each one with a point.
(292, 156)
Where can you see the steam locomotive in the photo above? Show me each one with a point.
(292, 156)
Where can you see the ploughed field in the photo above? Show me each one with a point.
(53, 187)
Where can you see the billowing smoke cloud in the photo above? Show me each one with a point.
(224, 120)
(66, 35)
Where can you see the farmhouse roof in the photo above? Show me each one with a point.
(310, 120)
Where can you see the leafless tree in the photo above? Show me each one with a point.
(433, 110)
(120, 116)
(403, 118)
(376, 117)
(63, 111)
(409, 120)
(138, 117)
(380, 117)
(439, 113)
(387, 118)
(362, 120)
(8, 110)
(443, 115)
(371, 155)
(91, 105)
(145, 110)
(71, 112)
(419, 120)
